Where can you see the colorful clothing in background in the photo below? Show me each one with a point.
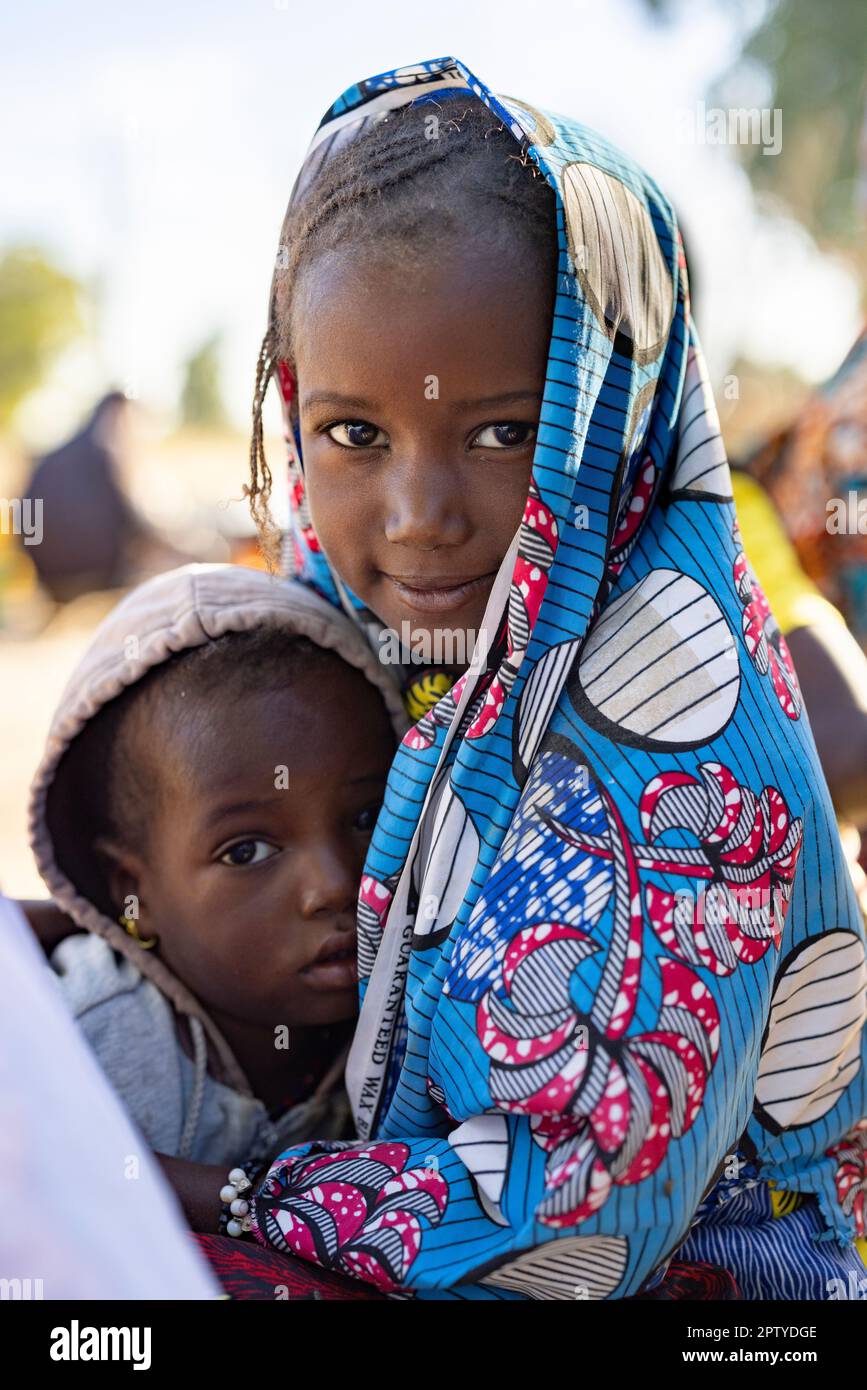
(822, 459)
(796, 602)
(608, 940)
(793, 597)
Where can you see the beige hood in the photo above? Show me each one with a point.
(172, 613)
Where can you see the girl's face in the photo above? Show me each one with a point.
(419, 398)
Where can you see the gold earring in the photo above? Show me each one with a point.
(130, 925)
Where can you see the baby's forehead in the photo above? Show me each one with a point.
(202, 731)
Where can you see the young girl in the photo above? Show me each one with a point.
(202, 811)
(611, 960)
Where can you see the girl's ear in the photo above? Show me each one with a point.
(123, 874)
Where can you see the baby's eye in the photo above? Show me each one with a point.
(512, 434)
(366, 819)
(357, 434)
(248, 852)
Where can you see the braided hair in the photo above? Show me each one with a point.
(402, 185)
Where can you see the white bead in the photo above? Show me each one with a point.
(237, 1175)
(227, 1194)
(243, 1185)
(239, 1207)
(234, 1228)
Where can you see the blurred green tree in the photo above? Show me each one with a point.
(201, 397)
(39, 316)
(816, 58)
(812, 60)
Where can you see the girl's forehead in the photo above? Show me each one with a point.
(473, 344)
(458, 265)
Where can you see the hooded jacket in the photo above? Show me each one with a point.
(118, 991)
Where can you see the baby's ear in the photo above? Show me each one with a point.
(121, 870)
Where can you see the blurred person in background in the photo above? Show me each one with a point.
(93, 537)
(831, 666)
(780, 495)
(815, 470)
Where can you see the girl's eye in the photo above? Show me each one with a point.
(366, 820)
(357, 434)
(510, 435)
(247, 852)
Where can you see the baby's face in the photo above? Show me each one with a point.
(419, 397)
(266, 807)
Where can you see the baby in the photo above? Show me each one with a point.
(202, 812)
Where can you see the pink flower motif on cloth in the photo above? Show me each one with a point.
(357, 1211)
(851, 1176)
(492, 706)
(375, 896)
(603, 1104)
(529, 584)
(286, 379)
(298, 503)
(416, 740)
(621, 542)
(374, 900)
(764, 641)
(537, 546)
(748, 851)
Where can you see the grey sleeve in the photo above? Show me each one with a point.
(131, 1029)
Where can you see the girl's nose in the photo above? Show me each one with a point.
(329, 883)
(423, 505)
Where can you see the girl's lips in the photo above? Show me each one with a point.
(438, 594)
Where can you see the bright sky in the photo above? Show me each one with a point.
(150, 148)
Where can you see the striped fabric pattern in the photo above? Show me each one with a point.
(777, 1258)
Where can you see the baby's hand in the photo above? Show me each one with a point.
(197, 1188)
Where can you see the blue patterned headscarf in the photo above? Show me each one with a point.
(611, 955)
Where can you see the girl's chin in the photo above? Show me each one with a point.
(446, 644)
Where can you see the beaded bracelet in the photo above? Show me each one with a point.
(235, 1219)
